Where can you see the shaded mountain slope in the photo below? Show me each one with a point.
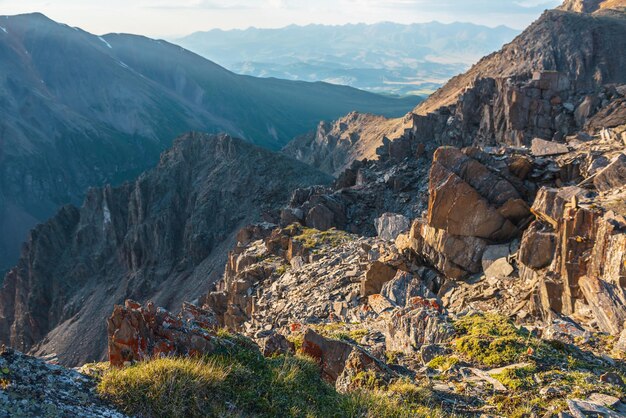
(80, 110)
(163, 237)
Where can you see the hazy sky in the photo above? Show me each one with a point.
(171, 18)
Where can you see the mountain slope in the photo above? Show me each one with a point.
(580, 45)
(382, 57)
(163, 237)
(80, 110)
(546, 83)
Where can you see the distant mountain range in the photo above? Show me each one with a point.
(80, 110)
(384, 57)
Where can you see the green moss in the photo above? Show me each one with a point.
(368, 380)
(341, 331)
(517, 378)
(393, 357)
(314, 239)
(443, 363)
(282, 269)
(490, 340)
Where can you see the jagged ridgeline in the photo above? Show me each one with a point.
(80, 110)
(468, 259)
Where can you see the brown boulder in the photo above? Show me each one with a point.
(330, 354)
(454, 256)
(465, 198)
(320, 217)
(538, 245)
(276, 344)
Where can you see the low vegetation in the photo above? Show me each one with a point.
(313, 239)
(569, 371)
(240, 382)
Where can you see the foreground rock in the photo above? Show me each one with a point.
(30, 387)
(138, 333)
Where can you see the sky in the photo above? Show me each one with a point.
(174, 18)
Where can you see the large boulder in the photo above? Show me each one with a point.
(330, 354)
(455, 257)
(466, 198)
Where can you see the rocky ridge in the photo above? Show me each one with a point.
(81, 111)
(164, 237)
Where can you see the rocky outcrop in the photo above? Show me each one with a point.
(467, 199)
(471, 205)
(138, 333)
(335, 146)
(418, 325)
(582, 270)
(174, 225)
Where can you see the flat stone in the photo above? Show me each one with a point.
(583, 409)
(541, 147)
(379, 303)
(604, 400)
(499, 268)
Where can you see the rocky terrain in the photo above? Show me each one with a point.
(32, 387)
(164, 237)
(81, 111)
(476, 267)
